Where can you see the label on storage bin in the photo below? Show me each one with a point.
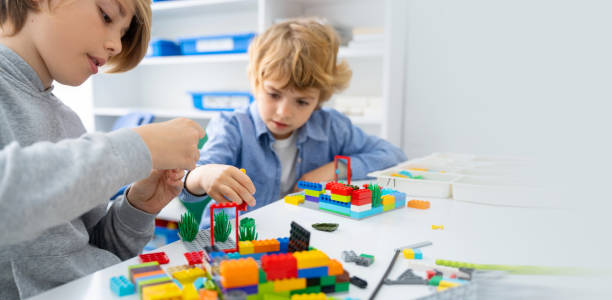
(215, 45)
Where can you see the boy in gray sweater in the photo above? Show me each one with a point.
(55, 180)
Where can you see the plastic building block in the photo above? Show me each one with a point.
(420, 204)
(143, 268)
(341, 198)
(246, 247)
(334, 268)
(361, 197)
(159, 257)
(305, 185)
(296, 199)
(329, 227)
(299, 238)
(279, 266)
(247, 230)
(188, 227)
(342, 190)
(408, 253)
(343, 277)
(313, 272)
(437, 227)
(312, 198)
(311, 259)
(408, 277)
(388, 199)
(289, 284)
(514, 269)
(208, 295)
(270, 245)
(121, 286)
(361, 208)
(238, 272)
(343, 210)
(328, 280)
(312, 193)
(359, 282)
(351, 256)
(367, 256)
(195, 257)
(167, 290)
(312, 296)
(284, 244)
(187, 278)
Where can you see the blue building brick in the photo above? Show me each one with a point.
(312, 272)
(121, 286)
(284, 244)
(249, 289)
(310, 186)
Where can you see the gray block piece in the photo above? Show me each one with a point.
(408, 277)
(351, 256)
(202, 240)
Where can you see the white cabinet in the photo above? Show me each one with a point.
(160, 84)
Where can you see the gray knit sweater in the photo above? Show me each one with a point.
(55, 182)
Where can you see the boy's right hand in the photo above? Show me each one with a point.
(173, 144)
(221, 182)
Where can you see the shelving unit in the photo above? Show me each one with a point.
(160, 84)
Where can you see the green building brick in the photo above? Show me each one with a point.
(328, 280)
(342, 287)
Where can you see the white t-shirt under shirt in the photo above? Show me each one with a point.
(286, 150)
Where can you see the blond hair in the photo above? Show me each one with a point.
(134, 42)
(300, 53)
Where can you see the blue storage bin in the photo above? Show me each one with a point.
(221, 101)
(159, 47)
(217, 44)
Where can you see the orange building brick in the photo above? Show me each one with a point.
(239, 272)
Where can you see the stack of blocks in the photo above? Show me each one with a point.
(311, 190)
(151, 281)
(349, 201)
(283, 275)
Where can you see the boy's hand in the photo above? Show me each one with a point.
(173, 144)
(154, 192)
(221, 182)
(322, 173)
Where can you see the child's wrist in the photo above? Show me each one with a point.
(192, 183)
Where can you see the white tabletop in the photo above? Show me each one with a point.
(472, 232)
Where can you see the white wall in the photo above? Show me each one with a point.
(520, 78)
(504, 77)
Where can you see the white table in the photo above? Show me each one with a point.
(472, 232)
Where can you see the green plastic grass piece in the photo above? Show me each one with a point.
(223, 227)
(188, 227)
(376, 193)
(329, 227)
(247, 230)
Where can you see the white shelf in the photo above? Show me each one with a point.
(165, 8)
(162, 113)
(243, 57)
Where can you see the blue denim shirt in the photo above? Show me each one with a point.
(241, 139)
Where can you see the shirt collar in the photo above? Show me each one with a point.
(312, 129)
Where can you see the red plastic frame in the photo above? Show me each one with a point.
(348, 168)
(241, 207)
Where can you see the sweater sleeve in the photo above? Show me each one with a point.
(45, 184)
(368, 153)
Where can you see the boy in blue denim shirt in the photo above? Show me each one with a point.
(285, 135)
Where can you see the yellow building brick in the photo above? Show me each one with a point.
(289, 284)
(164, 291)
(313, 296)
(408, 253)
(311, 259)
(341, 198)
(387, 199)
(312, 193)
(294, 199)
(246, 247)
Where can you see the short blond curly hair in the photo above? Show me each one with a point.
(301, 53)
(134, 42)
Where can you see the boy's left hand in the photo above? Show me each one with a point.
(154, 192)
